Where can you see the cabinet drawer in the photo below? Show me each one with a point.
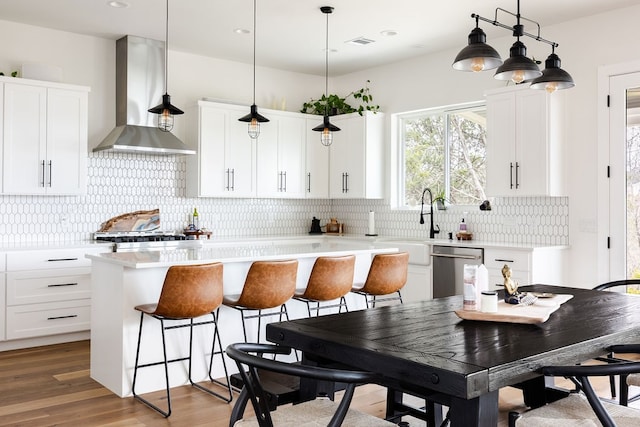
(47, 259)
(34, 320)
(29, 287)
(516, 260)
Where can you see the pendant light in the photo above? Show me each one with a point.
(254, 118)
(553, 77)
(477, 55)
(165, 110)
(326, 138)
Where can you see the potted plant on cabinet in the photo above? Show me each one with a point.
(336, 104)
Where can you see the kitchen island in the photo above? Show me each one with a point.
(123, 280)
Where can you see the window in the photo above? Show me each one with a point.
(443, 149)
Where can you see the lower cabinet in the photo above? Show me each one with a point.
(528, 266)
(418, 287)
(48, 292)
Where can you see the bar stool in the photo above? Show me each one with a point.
(331, 278)
(269, 284)
(387, 275)
(188, 292)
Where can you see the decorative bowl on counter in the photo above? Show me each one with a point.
(464, 235)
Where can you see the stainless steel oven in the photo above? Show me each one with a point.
(448, 265)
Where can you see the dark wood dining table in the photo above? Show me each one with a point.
(425, 349)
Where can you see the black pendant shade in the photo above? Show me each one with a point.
(326, 127)
(553, 77)
(518, 67)
(166, 110)
(477, 55)
(254, 118)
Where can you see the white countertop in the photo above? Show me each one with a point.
(239, 252)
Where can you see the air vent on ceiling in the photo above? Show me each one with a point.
(361, 41)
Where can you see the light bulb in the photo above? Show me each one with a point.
(477, 64)
(254, 128)
(165, 120)
(326, 138)
(517, 76)
(551, 87)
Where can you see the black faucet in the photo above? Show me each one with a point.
(432, 231)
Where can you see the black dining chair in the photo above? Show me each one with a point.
(320, 411)
(583, 407)
(631, 380)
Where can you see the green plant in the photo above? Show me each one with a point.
(440, 200)
(334, 104)
(13, 73)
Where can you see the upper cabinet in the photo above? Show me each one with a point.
(524, 142)
(44, 138)
(317, 162)
(287, 160)
(281, 155)
(356, 168)
(224, 163)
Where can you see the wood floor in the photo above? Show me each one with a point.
(50, 386)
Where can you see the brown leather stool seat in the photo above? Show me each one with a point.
(188, 292)
(331, 279)
(269, 284)
(387, 275)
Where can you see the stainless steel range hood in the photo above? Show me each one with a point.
(139, 86)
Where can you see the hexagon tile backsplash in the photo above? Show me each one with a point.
(118, 183)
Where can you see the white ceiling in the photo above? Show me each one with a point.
(291, 33)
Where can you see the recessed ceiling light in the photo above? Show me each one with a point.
(389, 33)
(241, 31)
(118, 4)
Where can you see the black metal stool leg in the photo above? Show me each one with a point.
(166, 413)
(213, 353)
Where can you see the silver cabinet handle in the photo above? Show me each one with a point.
(233, 180)
(43, 173)
(227, 172)
(61, 259)
(50, 173)
(456, 256)
(309, 182)
(503, 260)
(517, 175)
(511, 175)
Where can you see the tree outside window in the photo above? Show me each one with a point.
(445, 150)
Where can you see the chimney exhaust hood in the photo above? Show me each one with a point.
(139, 85)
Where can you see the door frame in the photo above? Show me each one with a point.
(607, 271)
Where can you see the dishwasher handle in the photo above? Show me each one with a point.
(457, 256)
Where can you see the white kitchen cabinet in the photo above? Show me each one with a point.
(528, 266)
(48, 292)
(225, 161)
(3, 305)
(356, 157)
(524, 142)
(44, 138)
(281, 156)
(418, 286)
(317, 163)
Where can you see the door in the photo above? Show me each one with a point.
(624, 183)
(25, 127)
(65, 167)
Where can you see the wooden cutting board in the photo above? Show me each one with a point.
(538, 312)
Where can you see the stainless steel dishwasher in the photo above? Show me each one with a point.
(448, 265)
